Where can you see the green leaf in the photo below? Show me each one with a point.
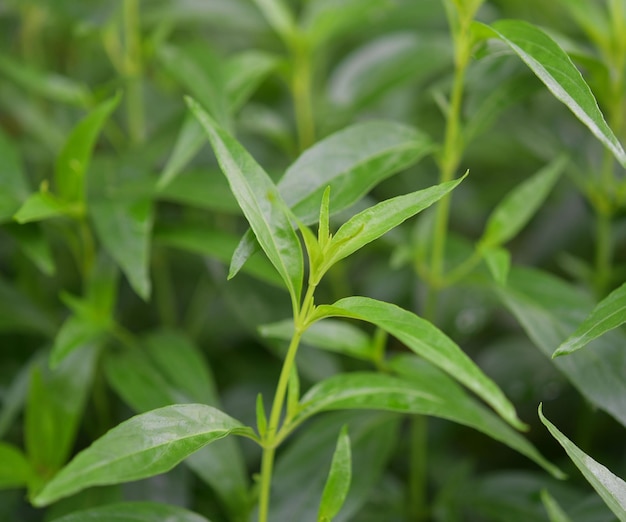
(499, 263)
(21, 313)
(43, 205)
(12, 179)
(555, 69)
(244, 72)
(34, 244)
(607, 315)
(351, 162)
(143, 446)
(260, 202)
(77, 333)
(338, 482)
(520, 205)
(124, 227)
(375, 221)
(549, 309)
(427, 341)
(15, 470)
(611, 488)
(261, 418)
(555, 512)
(280, 18)
(133, 512)
(73, 160)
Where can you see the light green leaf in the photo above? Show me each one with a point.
(43, 205)
(607, 315)
(73, 160)
(555, 69)
(520, 205)
(244, 72)
(498, 261)
(611, 488)
(143, 446)
(124, 227)
(338, 482)
(15, 470)
(12, 179)
(351, 162)
(427, 341)
(555, 512)
(34, 244)
(279, 17)
(76, 333)
(133, 512)
(260, 202)
(375, 221)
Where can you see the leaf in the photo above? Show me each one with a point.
(278, 15)
(43, 205)
(34, 244)
(143, 446)
(260, 202)
(499, 263)
(611, 488)
(76, 333)
(548, 309)
(73, 160)
(338, 482)
(607, 315)
(15, 470)
(12, 179)
(555, 69)
(555, 512)
(19, 312)
(428, 342)
(520, 205)
(244, 72)
(375, 221)
(351, 162)
(133, 512)
(124, 227)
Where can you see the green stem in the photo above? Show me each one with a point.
(302, 93)
(133, 72)
(418, 507)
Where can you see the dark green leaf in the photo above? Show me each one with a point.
(611, 488)
(21, 313)
(261, 203)
(143, 446)
(12, 179)
(555, 512)
(133, 512)
(555, 69)
(607, 315)
(244, 72)
(427, 341)
(34, 244)
(338, 482)
(15, 470)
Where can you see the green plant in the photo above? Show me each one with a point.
(368, 247)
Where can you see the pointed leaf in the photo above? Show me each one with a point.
(260, 202)
(34, 244)
(244, 72)
(427, 341)
(143, 446)
(76, 333)
(339, 478)
(555, 512)
(133, 512)
(73, 160)
(43, 205)
(279, 16)
(555, 69)
(375, 221)
(607, 315)
(498, 261)
(15, 470)
(520, 205)
(611, 488)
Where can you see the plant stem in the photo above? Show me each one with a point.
(133, 72)
(302, 96)
(418, 507)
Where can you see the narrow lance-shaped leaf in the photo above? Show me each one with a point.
(338, 482)
(610, 313)
(15, 470)
(141, 447)
(555, 69)
(73, 159)
(554, 510)
(520, 205)
(134, 512)
(427, 341)
(611, 488)
(278, 16)
(260, 202)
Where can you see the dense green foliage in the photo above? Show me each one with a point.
(312, 260)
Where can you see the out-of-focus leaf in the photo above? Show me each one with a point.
(244, 72)
(607, 315)
(498, 261)
(47, 84)
(124, 227)
(15, 470)
(43, 205)
(520, 205)
(328, 334)
(338, 482)
(611, 488)
(12, 179)
(133, 512)
(555, 512)
(55, 405)
(19, 313)
(34, 244)
(549, 310)
(73, 160)
(592, 18)
(143, 446)
(427, 341)
(202, 188)
(385, 62)
(260, 202)
(555, 69)
(299, 479)
(278, 15)
(76, 333)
